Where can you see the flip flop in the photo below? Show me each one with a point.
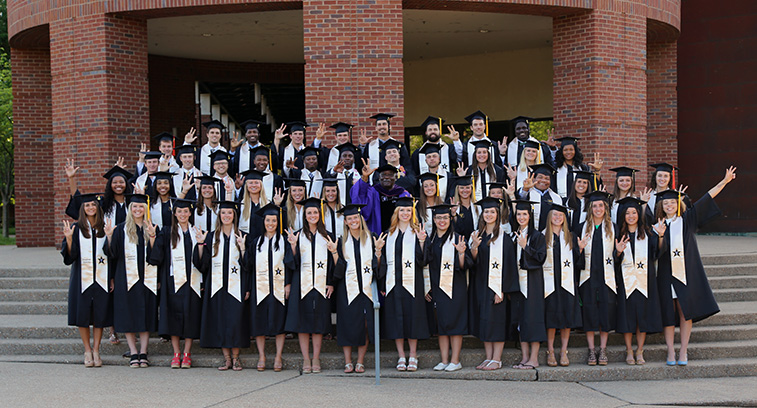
(525, 367)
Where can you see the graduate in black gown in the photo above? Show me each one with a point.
(636, 253)
(359, 252)
(89, 299)
(181, 283)
(448, 262)
(161, 213)
(135, 282)
(484, 170)
(206, 209)
(577, 201)
(466, 218)
(494, 275)
(219, 256)
(528, 302)
(402, 282)
(561, 306)
(597, 286)
(266, 259)
(309, 307)
(685, 294)
(253, 198)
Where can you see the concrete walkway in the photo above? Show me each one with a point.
(73, 385)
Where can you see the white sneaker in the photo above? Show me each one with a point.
(440, 367)
(453, 367)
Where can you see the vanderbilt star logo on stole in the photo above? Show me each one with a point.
(320, 265)
(567, 264)
(677, 252)
(278, 271)
(366, 270)
(444, 166)
(447, 265)
(234, 269)
(608, 261)
(495, 265)
(408, 264)
(101, 260)
(640, 265)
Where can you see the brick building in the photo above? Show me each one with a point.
(94, 78)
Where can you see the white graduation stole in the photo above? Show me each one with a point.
(333, 158)
(201, 220)
(477, 186)
(534, 196)
(608, 263)
(178, 265)
(142, 180)
(234, 285)
(444, 164)
(512, 152)
(132, 270)
(407, 259)
(289, 154)
(677, 260)
(333, 218)
(522, 273)
(562, 180)
(244, 157)
(447, 267)
(634, 267)
(566, 267)
(309, 282)
(315, 184)
(341, 184)
(263, 271)
(268, 185)
(94, 269)
(156, 212)
(522, 175)
(472, 150)
(366, 268)
(373, 154)
(205, 157)
(495, 264)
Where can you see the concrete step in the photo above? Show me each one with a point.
(731, 270)
(732, 313)
(33, 295)
(735, 295)
(733, 282)
(729, 259)
(35, 283)
(55, 271)
(54, 308)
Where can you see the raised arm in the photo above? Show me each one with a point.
(730, 175)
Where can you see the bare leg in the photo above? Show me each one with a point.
(279, 347)
(400, 343)
(497, 348)
(590, 339)
(131, 340)
(187, 346)
(260, 343)
(413, 345)
(564, 338)
(361, 350)
(551, 340)
(686, 326)
(457, 345)
(97, 338)
(84, 334)
(347, 354)
(175, 344)
(317, 342)
(603, 336)
(670, 335)
(641, 337)
(144, 339)
(524, 352)
(444, 348)
(489, 349)
(533, 359)
(305, 346)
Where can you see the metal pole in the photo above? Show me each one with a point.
(376, 335)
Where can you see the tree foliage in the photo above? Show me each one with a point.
(6, 140)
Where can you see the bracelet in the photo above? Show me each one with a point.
(203, 244)
(152, 236)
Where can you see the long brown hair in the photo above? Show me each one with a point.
(641, 225)
(549, 233)
(482, 225)
(217, 233)
(83, 222)
(175, 228)
(660, 213)
(320, 227)
(606, 219)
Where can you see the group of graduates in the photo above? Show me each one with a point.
(503, 241)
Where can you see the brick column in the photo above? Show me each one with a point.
(600, 89)
(662, 102)
(100, 97)
(353, 62)
(33, 139)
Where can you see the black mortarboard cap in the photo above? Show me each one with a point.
(517, 119)
(584, 175)
(309, 151)
(403, 201)
(163, 136)
(253, 174)
(297, 126)
(85, 198)
(346, 147)
(382, 116)
(668, 194)
(206, 180)
(251, 124)
(182, 203)
(391, 144)
(118, 171)
(482, 144)
(260, 151)
(387, 167)
(663, 167)
(463, 180)
(568, 140)
(543, 168)
(559, 207)
(496, 185)
(163, 175)
(429, 176)
(524, 205)
(431, 120)
(598, 196)
(533, 144)
(153, 155)
(623, 171)
(633, 202)
(351, 209)
(430, 148)
(224, 205)
(476, 115)
(186, 149)
(214, 124)
(311, 202)
(136, 198)
(219, 155)
(295, 182)
(489, 202)
(268, 209)
(329, 182)
(441, 209)
(341, 127)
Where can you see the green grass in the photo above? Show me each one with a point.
(9, 240)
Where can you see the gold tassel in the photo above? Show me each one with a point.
(148, 208)
(679, 203)
(437, 185)
(281, 222)
(415, 215)
(440, 128)
(473, 191)
(539, 158)
(487, 126)
(323, 214)
(595, 181)
(270, 161)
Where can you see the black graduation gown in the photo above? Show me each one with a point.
(544, 208)
(311, 314)
(408, 181)
(569, 177)
(180, 311)
(224, 318)
(166, 214)
(354, 321)
(236, 157)
(404, 316)
(268, 317)
(135, 310)
(74, 203)
(695, 298)
(464, 221)
(529, 311)
(404, 155)
(500, 176)
(451, 313)
(94, 307)
(349, 181)
(563, 310)
(598, 302)
(488, 321)
(451, 154)
(638, 310)
(575, 218)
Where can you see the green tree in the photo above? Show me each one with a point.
(4, 46)
(6, 140)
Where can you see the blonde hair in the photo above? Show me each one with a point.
(130, 227)
(606, 219)
(523, 166)
(217, 232)
(291, 207)
(365, 233)
(247, 201)
(396, 221)
(549, 233)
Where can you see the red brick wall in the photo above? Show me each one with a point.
(99, 95)
(353, 61)
(600, 86)
(33, 139)
(717, 101)
(662, 104)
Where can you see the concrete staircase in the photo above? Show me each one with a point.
(33, 329)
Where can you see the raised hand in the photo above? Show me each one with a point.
(461, 170)
(120, 162)
(551, 142)
(278, 196)
(523, 238)
(453, 134)
(279, 134)
(363, 138)
(339, 167)
(238, 182)
(421, 234)
(191, 136)
(236, 141)
(240, 239)
(292, 237)
(380, 241)
(331, 245)
(646, 194)
(620, 245)
(200, 235)
(321, 131)
(150, 228)
(660, 227)
(584, 241)
(165, 162)
(730, 174)
(142, 151)
(455, 205)
(68, 229)
(460, 246)
(512, 172)
(109, 228)
(682, 189)
(290, 163)
(528, 183)
(367, 170)
(71, 168)
(509, 188)
(502, 147)
(186, 183)
(137, 189)
(475, 240)
(597, 163)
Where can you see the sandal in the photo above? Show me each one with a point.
(134, 361)
(525, 367)
(492, 365)
(306, 369)
(359, 368)
(602, 357)
(640, 357)
(186, 362)
(143, 361)
(261, 365)
(592, 357)
(114, 338)
(236, 364)
(316, 367)
(226, 365)
(277, 366)
(482, 365)
(551, 361)
(402, 364)
(176, 361)
(88, 359)
(348, 368)
(564, 362)
(97, 360)
(629, 358)
(412, 364)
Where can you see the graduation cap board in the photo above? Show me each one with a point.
(479, 115)
(214, 124)
(341, 127)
